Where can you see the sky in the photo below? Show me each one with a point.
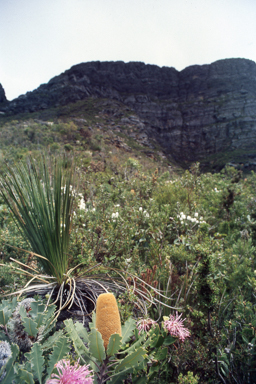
(40, 39)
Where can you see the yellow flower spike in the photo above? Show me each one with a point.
(107, 317)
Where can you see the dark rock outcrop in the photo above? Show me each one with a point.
(2, 95)
(193, 114)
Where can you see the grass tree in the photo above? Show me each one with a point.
(41, 197)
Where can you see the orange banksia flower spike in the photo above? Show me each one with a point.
(107, 317)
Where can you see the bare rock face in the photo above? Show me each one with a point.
(193, 114)
(2, 95)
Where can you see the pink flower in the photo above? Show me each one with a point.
(144, 325)
(68, 374)
(174, 325)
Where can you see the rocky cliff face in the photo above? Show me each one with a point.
(2, 95)
(193, 114)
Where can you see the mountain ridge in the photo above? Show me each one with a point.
(195, 114)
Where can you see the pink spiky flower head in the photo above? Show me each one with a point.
(174, 326)
(68, 374)
(144, 325)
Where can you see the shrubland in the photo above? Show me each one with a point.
(189, 235)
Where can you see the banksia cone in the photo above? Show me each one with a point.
(107, 317)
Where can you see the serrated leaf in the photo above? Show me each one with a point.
(60, 350)
(49, 314)
(9, 370)
(96, 345)
(36, 360)
(22, 311)
(37, 313)
(114, 344)
(9, 305)
(52, 340)
(5, 315)
(135, 345)
(79, 346)
(127, 329)
(30, 326)
(25, 377)
(36, 308)
(82, 332)
(132, 359)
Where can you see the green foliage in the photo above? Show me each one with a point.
(45, 351)
(126, 354)
(188, 379)
(190, 235)
(40, 199)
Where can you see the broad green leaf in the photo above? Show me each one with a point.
(9, 369)
(82, 332)
(132, 359)
(60, 350)
(30, 326)
(159, 342)
(5, 314)
(115, 342)
(25, 377)
(127, 329)
(154, 334)
(36, 360)
(161, 354)
(141, 380)
(169, 340)
(96, 345)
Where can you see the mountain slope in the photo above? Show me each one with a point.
(204, 113)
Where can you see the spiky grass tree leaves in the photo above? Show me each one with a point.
(40, 198)
(36, 359)
(127, 329)
(114, 344)
(9, 367)
(96, 345)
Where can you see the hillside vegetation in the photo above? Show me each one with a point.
(189, 234)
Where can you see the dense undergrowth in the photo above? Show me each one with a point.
(191, 235)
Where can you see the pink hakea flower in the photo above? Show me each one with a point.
(68, 374)
(174, 326)
(144, 325)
